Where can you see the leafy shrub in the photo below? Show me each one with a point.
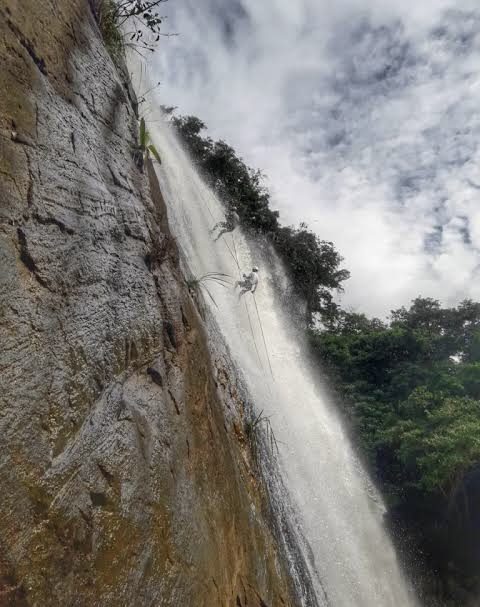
(134, 23)
(145, 147)
(201, 283)
(145, 143)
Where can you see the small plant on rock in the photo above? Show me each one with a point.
(107, 18)
(252, 429)
(145, 149)
(195, 284)
(129, 23)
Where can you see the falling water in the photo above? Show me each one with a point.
(339, 510)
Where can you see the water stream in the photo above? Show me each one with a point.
(351, 556)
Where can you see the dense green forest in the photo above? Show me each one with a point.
(412, 390)
(410, 386)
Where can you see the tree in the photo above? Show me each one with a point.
(437, 440)
(411, 388)
(314, 267)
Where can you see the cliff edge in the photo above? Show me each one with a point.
(123, 481)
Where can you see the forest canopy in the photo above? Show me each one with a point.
(412, 388)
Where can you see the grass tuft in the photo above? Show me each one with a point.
(110, 28)
(146, 149)
(253, 428)
(201, 283)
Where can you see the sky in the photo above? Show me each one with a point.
(364, 115)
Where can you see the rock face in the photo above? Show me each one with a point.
(123, 481)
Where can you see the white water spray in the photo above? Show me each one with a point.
(339, 510)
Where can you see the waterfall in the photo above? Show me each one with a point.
(338, 508)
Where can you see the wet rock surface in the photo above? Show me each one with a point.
(126, 478)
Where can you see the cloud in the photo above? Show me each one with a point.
(363, 114)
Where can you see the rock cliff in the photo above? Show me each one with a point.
(125, 474)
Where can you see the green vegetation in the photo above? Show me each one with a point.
(253, 428)
(408, 382)
(201, 283)
(146, 147)
(109, 26)
(313, 264)
(410, 387)
(128, 23)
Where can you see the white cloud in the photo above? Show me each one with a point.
(364, 115)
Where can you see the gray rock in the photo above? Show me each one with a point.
(123, 481)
